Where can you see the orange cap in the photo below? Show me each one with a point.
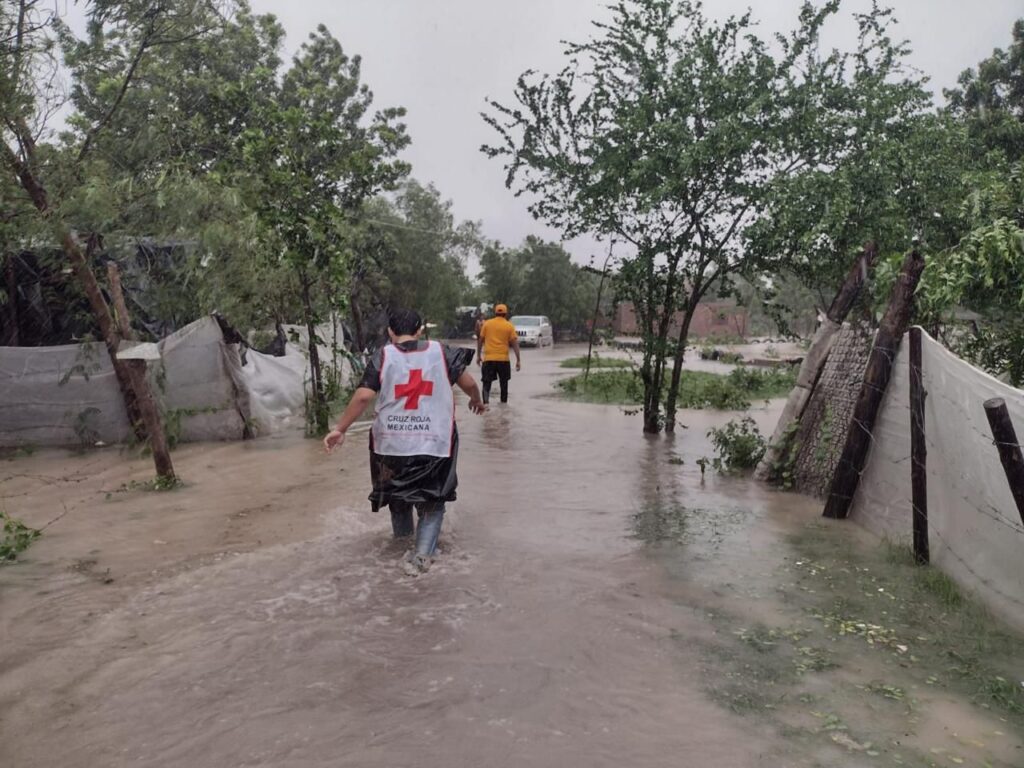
(501, 309)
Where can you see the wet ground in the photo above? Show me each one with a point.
(597, 603)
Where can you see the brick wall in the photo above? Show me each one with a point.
(714, 318)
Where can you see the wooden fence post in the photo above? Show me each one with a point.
(918, 451)
(876, 380)
(1009, 449)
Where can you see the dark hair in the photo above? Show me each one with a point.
(404, 322)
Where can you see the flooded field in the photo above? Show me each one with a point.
(598, 602)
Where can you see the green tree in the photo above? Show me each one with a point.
(671, 133)
(898, 180)
(970, 295)
(417, 254)
(162, 169)
(970, 292)
(313, 157)
(556, 287)
(188, 102)
(503, 276)
(985, 271)
(539, 278)
(990, 100)
(122, 35)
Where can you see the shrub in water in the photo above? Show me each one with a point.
(15, 537)
(758, 382)
(697, 389)
(739, 445)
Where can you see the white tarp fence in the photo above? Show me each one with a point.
(68, 395)
(65, 395)
(975, 531)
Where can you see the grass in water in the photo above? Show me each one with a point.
(867, 643)
(697, 389)
(927, 579)
(596, 362)
(918, 616)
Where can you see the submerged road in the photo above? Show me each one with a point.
(549, 633)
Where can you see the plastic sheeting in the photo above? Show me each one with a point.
(65, 395)
(277, 388)
(68, 395)
(199, 384)
(975, 531)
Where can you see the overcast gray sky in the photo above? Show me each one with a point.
(441, 58)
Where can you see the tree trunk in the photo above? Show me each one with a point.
(653, 391)
(80, 262)
(135, 389)
(154, 424)
(148, 409)
(876, 380)
(597, 311)
(320, 415)
(696, 294)
(816, 357)
(677, 367)
(645, 314)
(138, 394)
(125, 328)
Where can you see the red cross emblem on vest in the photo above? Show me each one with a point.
(414, 389)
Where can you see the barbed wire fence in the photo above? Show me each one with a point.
(973, 523)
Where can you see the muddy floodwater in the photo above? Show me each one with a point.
(597, 603)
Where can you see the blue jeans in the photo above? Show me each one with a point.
(431, 515)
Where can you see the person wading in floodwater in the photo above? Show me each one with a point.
(492, 345)
(414, 443)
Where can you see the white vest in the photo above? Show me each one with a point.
(415, 406)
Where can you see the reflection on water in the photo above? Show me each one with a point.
(659, 523)
(703, 529)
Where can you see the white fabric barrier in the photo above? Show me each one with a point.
(277, 388)
(65, 395)
(199, 390)
(975, 531)
(68, 395)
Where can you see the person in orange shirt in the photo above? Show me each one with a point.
(496, 336)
